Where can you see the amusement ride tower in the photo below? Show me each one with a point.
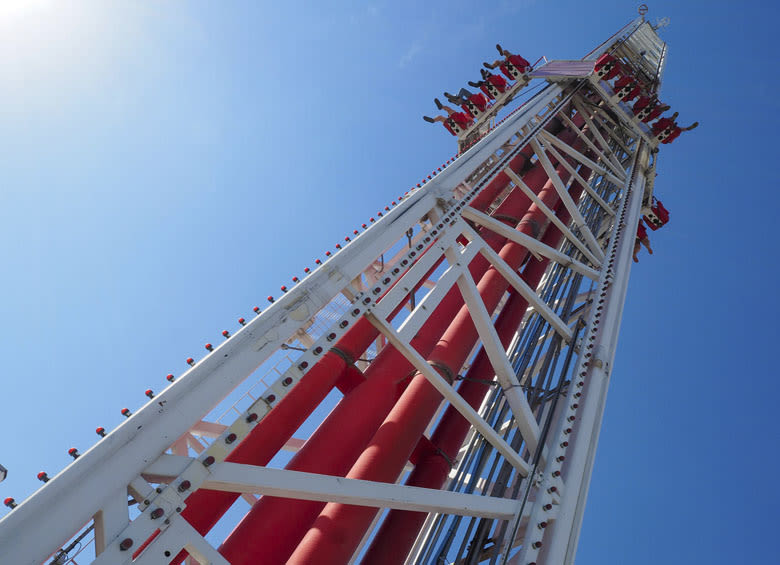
(468, 329)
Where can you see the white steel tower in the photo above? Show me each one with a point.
(470, 329)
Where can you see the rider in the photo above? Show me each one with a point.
(641, 239)
(512, 65)
(460, 120)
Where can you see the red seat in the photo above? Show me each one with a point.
(658, 216)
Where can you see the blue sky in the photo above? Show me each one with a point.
(164, 167)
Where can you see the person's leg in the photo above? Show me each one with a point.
(454, 99)
(434, 119)
(494, 64)
(694, 125)
(447, 109)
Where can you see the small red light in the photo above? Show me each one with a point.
(190, 361)
(101, 431)
(371, 219)
(42, 476)
(10, 503)
(283, 288)
(270, 299)
(184, 485)
(364, 226)
(318, 262)
(306, 270)
(225, 333)
(209, 347)
(126, 412)
(125, 544)
(355, 232)
(208, 461)
(156, 513)
(256, 309)
(251, 417)
(295, 279)
(148, 392)
(338, 246)
(242, 321)
(270, 397)
(73, 452)
(169, 377)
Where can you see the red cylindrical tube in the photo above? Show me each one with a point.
(339, 528)
(342, 437)
(395, 537)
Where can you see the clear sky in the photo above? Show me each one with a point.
(165, 166)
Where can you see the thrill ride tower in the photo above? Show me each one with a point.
(466, 332)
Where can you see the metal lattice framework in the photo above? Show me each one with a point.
(470, 333)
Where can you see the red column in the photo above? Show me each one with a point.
(204, 507)
(339, 528)
(273, 527)
(399, 529)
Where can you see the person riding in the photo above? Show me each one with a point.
(512, 65)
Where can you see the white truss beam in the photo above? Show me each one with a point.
(522, 287)
(566, 148)
(533, 245)
(505, 373)
(605, 153)
(235, 477)
(584, 183)
(568, 203)
(450, 394)
(567, 233)
(111, 519)
(421, 314)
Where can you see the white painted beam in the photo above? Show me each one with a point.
(505, 373)
(567, 233)
(533, 245)
(450, 394)
(526, 291)
(580, 157)
(236, 477)
(568, 203)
